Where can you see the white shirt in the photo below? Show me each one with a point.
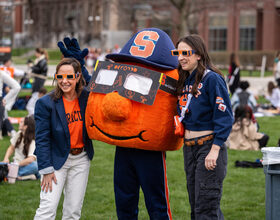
(274, 98)
(17, 72)
(19, 156)
(15, 88)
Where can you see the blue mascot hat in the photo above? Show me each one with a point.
(150, 46)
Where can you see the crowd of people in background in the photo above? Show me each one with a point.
(99, 54)
(22, 142)
(245, 133)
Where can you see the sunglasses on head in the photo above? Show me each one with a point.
(66, 76)
(183, 52)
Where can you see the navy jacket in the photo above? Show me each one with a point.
(210, 109)
(52, 134)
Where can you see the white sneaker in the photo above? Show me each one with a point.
(1, 137)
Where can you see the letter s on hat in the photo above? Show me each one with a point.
(144, 44)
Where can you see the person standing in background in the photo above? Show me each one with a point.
(276, 68)
(7, 127)
(7, 102)
(12, 71)
(39, 70)
(234, 73)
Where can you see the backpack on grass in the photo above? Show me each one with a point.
(3, 171)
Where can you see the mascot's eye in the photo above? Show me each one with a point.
(138, 83)
(106, 77)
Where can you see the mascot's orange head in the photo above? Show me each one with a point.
(133, 100)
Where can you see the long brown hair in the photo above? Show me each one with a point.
(197, 44)
(28, 135)
(270, 87)
(42, 52)
(57, 94)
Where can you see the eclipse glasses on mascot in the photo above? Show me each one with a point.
(133, 82)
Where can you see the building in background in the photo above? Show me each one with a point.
(225, 25)
(41, 23)
(242, 25)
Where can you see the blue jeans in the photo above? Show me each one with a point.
(29, 169)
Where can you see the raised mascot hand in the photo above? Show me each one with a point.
(72, 49)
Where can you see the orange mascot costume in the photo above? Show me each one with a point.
(131, 105)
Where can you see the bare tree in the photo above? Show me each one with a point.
(190, 13)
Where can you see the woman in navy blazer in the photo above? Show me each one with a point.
(63, 148)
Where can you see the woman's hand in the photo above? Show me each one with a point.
(47, 182)
(211, 158)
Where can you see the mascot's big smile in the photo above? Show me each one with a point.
(118, 137)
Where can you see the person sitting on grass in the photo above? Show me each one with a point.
(243, 97)
(23, 146)
(273, 95)
(244, 135)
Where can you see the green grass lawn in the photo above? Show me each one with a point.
(243, 196)
(245, 73)
(19, 55)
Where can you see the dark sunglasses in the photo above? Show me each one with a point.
(183, 52)
(66, 76)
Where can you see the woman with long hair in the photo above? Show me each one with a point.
(205, 111)
(273, 95)
(244, 134)
(63, 147)
(23, 145)
(40, 68)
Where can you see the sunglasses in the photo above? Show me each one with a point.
(183, 52)
(66, 76)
